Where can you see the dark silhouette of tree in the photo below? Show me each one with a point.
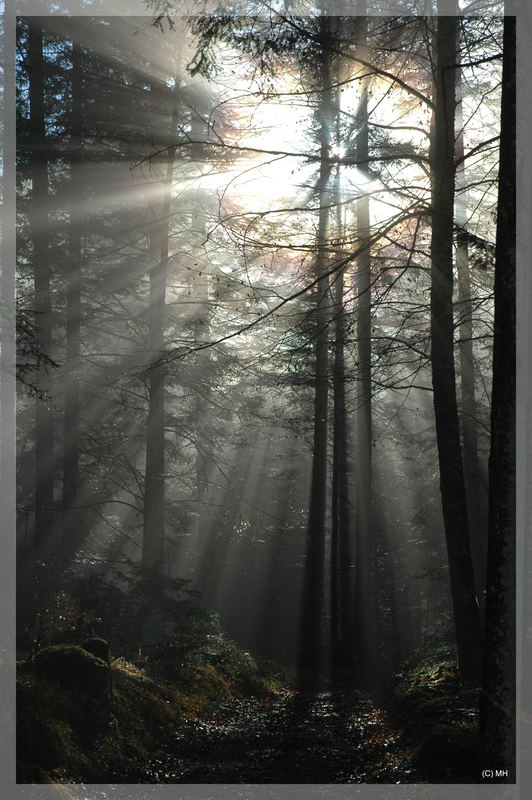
(475, 492)
(341, 595)
(498, 719)
(364, 617)
(313, 597)
(38, 213)
(466, 615)
(155, 478)
(72, 524)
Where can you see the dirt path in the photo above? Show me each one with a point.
(285, 738)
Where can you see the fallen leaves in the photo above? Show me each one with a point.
(286, 737)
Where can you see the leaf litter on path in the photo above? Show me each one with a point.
(287, 737)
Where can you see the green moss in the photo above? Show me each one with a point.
(209, 681)
(63, 704)
(97, 646)
(72, 667)
(38, 704)
(46, 738)
(38, 742)
(73, 728)
(222, 668)
(146, 712)
(429, 667)
(438, 715)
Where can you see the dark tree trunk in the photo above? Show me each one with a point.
(311, 623)
(72, 533)
(466, 614)
(475, 493)
(154, 489)
(497, 718)
(341, 555)
(365, 618)
(44, 460)
(200, 292)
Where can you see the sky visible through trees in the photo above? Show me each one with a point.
(261, 273)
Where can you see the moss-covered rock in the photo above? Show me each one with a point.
(38, 741)
(97, 646)
(45, 737)
(75, 724)
(64, 700)
(72, 667)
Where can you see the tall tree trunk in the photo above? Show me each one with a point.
(44, 460)
(365, 617)
(341, 555)
(497, 717)
(340, 576)
(8, 483)
(313, 597)
(72, 534)
(477, 520)
(154, 489)
(200, 289)
(466, 614)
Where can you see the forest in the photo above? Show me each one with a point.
(265, 321)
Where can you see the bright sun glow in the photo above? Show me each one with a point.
(272, 169)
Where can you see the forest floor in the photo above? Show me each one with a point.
(289, 737)
(119, 724)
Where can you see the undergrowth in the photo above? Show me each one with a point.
(63, 736)
(438, 715)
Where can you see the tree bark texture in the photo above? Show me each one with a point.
(200, 286)
(341, 599)
(72, 533)
(341, 555)
(474, 485)
(498, 701)
(44, 461)
(466, 614)
(365, 617)
(154, 489)
(314, 586)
